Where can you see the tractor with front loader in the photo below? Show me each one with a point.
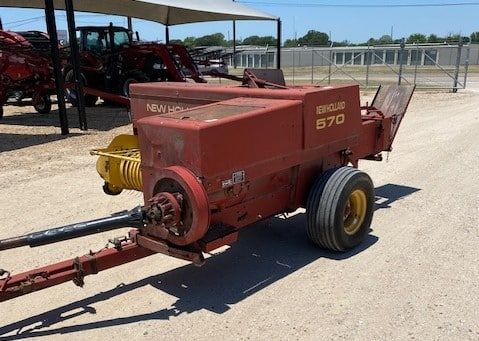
(211, 160)
(111, 60)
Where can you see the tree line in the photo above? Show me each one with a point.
(317, 38)
(218, 39)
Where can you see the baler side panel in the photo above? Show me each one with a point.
(273, 132)
(262, 136)
(332, 115)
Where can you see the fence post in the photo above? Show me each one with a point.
(458, 64)
(468, 54)
(416, 63)
(330, 62)
(401, 53)
(294, 64)
(368, 62)
(312, 65)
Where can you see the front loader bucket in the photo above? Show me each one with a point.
(392, 101)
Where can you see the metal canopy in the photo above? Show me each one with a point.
(167, 12)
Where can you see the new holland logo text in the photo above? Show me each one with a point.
(331, 107)
(163, 108)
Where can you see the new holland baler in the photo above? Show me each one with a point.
(212, 159)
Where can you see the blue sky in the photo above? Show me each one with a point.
(353, 24)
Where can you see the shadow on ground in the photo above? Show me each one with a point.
(265, 253)
(100, 117)
(9, 142)
(389, 193)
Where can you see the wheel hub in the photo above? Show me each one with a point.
(355, 212)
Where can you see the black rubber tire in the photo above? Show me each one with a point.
(1, 112)
(90, 100)
(45, 106)
(135, 76)
(326, 206)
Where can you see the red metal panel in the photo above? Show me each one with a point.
(148, 99)
(218, 146)
(331, 115)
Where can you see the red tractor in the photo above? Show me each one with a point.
(25, 71)
(110, 61)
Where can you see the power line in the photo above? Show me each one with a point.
(56, 15)
(24, 20)
(284, 4)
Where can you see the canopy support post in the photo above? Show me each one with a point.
(278, 44)
(167, 34)
(59, 82)
(234, 44)
(75, 59)
(130, 24)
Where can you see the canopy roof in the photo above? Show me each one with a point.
(167, 12)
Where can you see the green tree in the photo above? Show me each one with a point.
(291, 43)
(343, 43)
(453, 38)
(475, 37)
(385, 39)
(416, 38)
(434, 39)
(314, 38)
(216, 39)
(189, 41)
(259, 41)
(176, 41)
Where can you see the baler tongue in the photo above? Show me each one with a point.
(392, 101)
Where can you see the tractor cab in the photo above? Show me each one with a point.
(102, 40)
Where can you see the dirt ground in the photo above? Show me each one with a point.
(416, 276)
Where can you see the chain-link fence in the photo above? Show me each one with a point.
(429, 66)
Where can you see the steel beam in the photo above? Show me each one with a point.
(75, 59)
(59, 82)
(234, 44)
(167, 34)
(278, 44)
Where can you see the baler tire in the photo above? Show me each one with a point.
(340, 208)
(45, 106)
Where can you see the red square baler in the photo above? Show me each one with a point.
(213, 159)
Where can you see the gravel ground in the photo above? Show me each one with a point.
(415, 277)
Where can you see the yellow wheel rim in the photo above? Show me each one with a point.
(355, 212)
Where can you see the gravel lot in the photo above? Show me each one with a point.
(415, 277)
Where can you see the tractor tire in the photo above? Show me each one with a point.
(340, 208)
(44, 105)
(71, 94)
(132, 77)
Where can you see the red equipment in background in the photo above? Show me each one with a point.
(111, 60)
(25, 72)
(253, 151)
